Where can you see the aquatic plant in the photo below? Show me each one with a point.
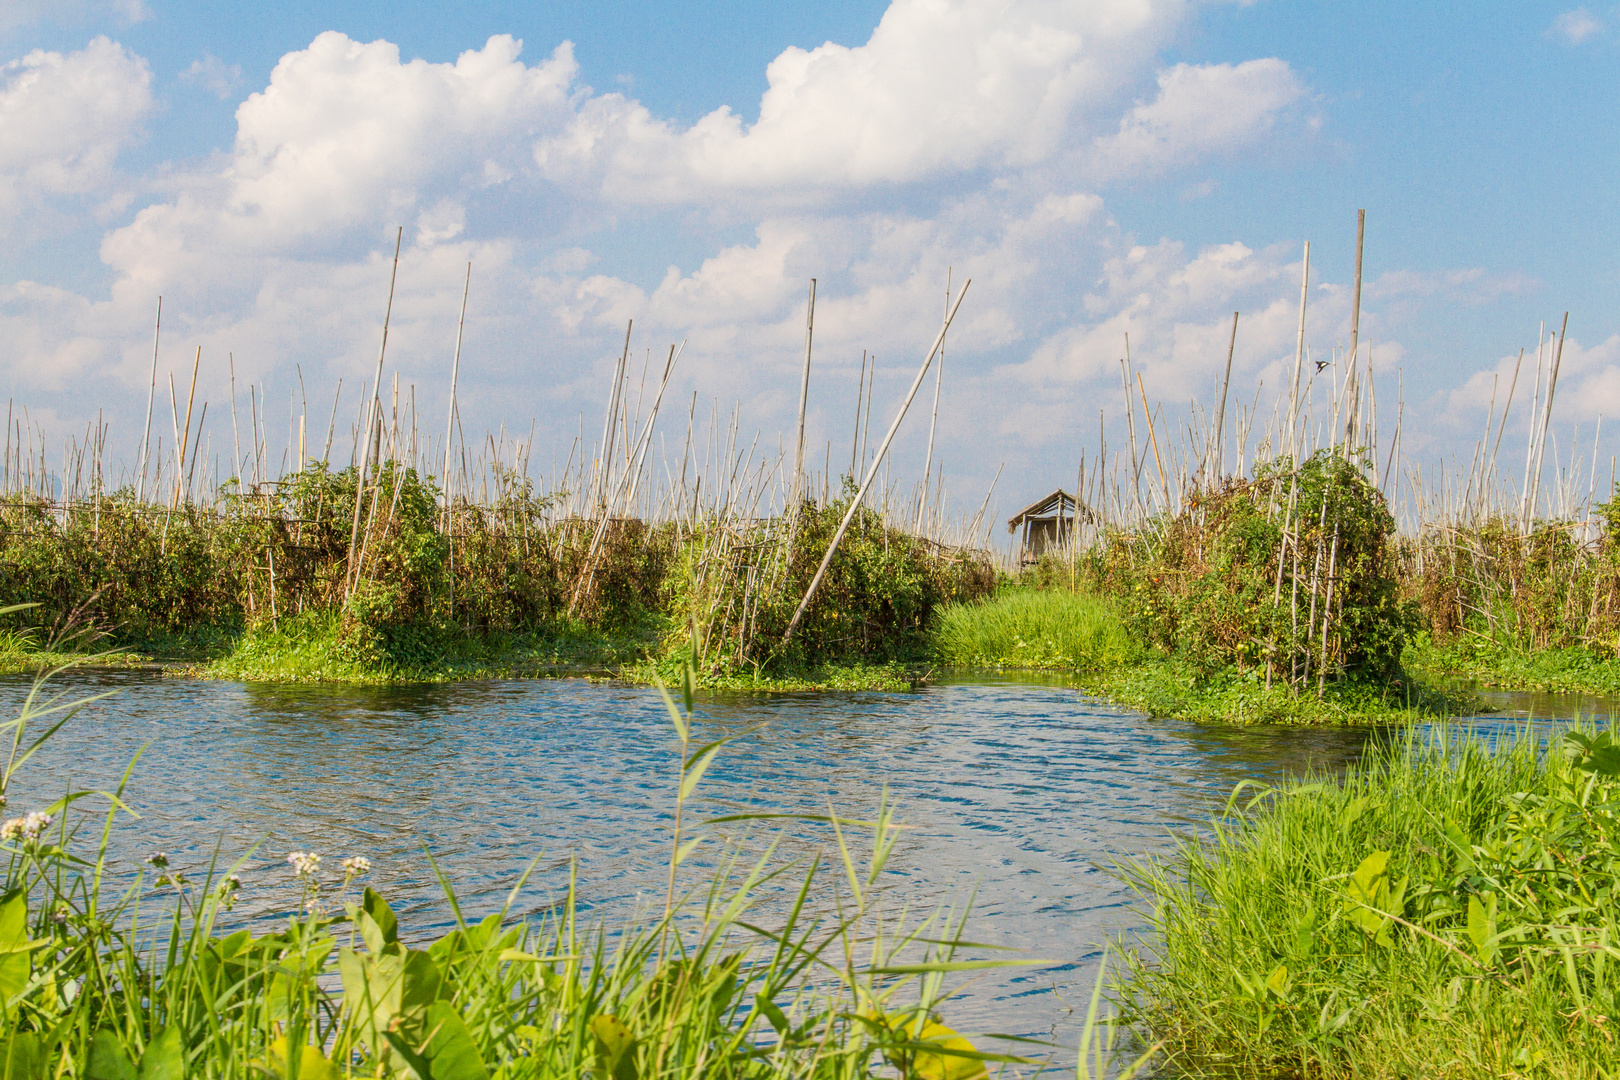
(1447, 908)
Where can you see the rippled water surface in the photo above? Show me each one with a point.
(1020, 794)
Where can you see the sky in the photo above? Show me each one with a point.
(1141, 167)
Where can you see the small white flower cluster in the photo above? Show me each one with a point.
(158, 860)
(306, 864)
(356, 866)
(25, 828)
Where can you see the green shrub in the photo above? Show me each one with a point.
(1292, 572)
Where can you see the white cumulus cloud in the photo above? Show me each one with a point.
(1201, 111)
(65, 117)
(941, 87)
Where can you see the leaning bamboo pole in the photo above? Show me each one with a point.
(371, 417)
(883, 448)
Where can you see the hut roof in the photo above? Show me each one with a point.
(1059, 504)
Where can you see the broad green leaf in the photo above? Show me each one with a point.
(773, 1013)
(1277, 982)
(1372, 868)
(615, 1048)
(165, 1058)
(312, 1064)
(955, 1059)
(1482, 926)
(451, 1052)
(22, 1058)
(378, 926)
(108, 1061)
(15, 965)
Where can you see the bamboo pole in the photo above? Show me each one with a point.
(605, 458)
(185, 442)
(1354, 390)
(372, 408)
(855, 503)
(1220, 413)
(1299, 358)
(456, 371)
(1546, 420)
(933, 422)
(804, 399)
(860, 394)
(151, 392)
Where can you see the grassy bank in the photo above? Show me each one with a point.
(1441, 911)
(154, 979)
(1030, 628)
(1571, 669)
(1022, 627)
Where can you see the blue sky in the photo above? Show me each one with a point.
(1126, 165)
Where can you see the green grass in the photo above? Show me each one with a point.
(1441, 911)
(1503, 666)
(892, 676)
(1169, 689)
(314, 647)
(1022, 628)
(753, 967)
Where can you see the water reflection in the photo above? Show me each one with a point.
(1022, 792)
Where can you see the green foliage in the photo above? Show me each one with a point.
(1292, 572)
(740, 587)
(265, 583)
(1444, 910)
(1496, 595)
(1026, 628)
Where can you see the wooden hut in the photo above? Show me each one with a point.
(1048, 522)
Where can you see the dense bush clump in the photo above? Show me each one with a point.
(1293, 573)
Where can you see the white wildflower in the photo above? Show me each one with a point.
(356, 866)
(306, 864)
(157, 860)
(27, 827)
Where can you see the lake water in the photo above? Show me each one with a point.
(1018, 793)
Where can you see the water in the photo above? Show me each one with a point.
(1022, 794)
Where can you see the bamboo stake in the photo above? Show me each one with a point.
(855, 503)
(1355, 335)
(186, 441)
(1299, 358)
(939, 378)
(151, 392)
(372, 408)
(1220, 413)
(1546, 420)
(804, 399)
